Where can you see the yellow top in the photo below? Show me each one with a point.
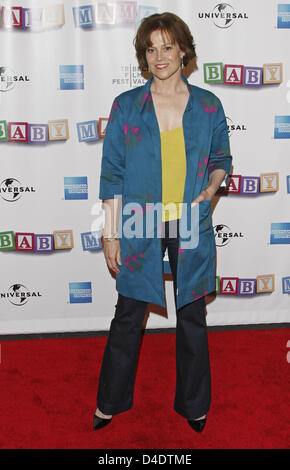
(173, 172)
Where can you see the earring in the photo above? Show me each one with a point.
(182, 64)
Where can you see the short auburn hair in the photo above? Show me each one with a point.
(170, 24)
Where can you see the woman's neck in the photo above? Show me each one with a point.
(169, 86)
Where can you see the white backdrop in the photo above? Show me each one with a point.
(107, 55)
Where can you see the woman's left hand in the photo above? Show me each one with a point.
(205, 195)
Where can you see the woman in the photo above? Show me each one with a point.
(166, 142)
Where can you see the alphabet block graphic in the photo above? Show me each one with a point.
(217, 284)
(53, 15)
(102, 126)
(213, 72)
(105, 13)
(43, 243)
(24, 241)
(247, 286)
(37, 133)
(83, 16)
(265, 283)
(253, 76)
(63, 239)
(87, 131)
(286, 285)
(58, 129)
(18, 131)
(269, 182)
(273, 73)
(12, 17)
(229, 285)
(250, 185)
(234, 185)
(233, 74)
(7, 240)
(3, 131)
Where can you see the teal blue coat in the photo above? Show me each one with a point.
(132, 168)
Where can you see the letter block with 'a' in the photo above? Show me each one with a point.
(247, 286)
(229, 285)
(18, 131)
(7, 240)
(265, 283)
(24, 241)
(233, 74)
(63, 239)
(213, 72)
(234, 185)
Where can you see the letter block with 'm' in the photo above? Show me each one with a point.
(63, 239)
(43, 242)
(265, 283)
(233, 74)
(286, 285)
(24, 241)
(247, 286)
(229, 285)
(269, 182)
(250, 185)
(213, 72)
(7, 240)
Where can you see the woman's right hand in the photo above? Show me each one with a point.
(112, 254)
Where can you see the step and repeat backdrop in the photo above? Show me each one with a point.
(61, 65)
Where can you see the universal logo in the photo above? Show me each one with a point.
(223, 234)
(8, 78)
(11, 189)
(18, 294)
(223, 15)
(130, 76)
(234, 127)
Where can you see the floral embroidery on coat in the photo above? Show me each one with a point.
(145, 100)
(134, 262)
(132, 136)
(114, 109)
(209, 104)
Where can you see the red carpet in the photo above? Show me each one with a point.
(48, 392)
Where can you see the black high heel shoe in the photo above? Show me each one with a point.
(100, 422)
(197, 424)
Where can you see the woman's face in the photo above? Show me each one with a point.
(163, 57)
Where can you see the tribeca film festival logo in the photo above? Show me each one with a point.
(223, 235)
(8, 78)
(14, 17)
(71, 77)
(223, 15)
(19, 295)
(234, 127)
(131, 75)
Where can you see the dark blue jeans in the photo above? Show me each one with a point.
(118, 371)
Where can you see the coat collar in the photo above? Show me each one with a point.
(144, 101)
